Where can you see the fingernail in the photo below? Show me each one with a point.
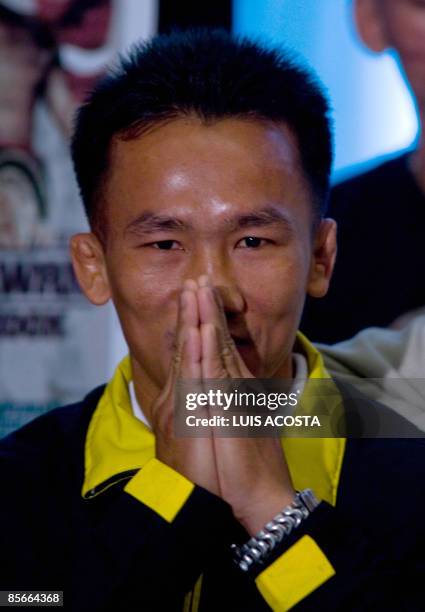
(203, 281)
(190, 284)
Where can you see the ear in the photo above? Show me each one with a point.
(88, 259)
(323, 258)
(370, 24)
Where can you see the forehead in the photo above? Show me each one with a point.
(185, 164)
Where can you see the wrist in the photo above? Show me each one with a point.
(260, 548)
(261, 510)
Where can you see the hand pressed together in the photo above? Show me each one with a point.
(251, 474)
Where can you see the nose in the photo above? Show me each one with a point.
(221, 276)
(231, 297)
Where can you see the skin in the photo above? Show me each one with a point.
(399, 25)
(233, 209)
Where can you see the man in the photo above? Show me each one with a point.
(203, 163)
(380, 271)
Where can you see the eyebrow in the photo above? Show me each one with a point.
(269, 215)
(149, 223)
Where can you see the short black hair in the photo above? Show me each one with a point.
(209, 74)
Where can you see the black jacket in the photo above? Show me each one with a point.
(380, 268)
(113, 553)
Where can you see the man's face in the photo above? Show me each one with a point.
(228, 200)
(404, 28)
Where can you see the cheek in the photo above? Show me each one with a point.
(146, 304)
(274, 309)
(278, 293)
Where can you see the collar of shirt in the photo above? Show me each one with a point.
(119, 439)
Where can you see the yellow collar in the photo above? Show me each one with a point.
(118, 442)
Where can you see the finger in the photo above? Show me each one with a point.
(186, 358)
(211, 311)
(189, 305)
(215, 352)
(190, 284)
(188, 318)
(191, 355)
(208, 311)
(232, 358)
(212, 362)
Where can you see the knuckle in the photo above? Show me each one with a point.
(230, 342)
(226, 351)
(177, 359)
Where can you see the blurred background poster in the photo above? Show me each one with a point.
(54, 346)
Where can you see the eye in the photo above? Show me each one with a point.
(252, 242)
(166, 245)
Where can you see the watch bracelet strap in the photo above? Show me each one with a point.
(259, 547)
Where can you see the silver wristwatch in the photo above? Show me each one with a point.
(259, 547)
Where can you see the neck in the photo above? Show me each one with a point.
(146, 389)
